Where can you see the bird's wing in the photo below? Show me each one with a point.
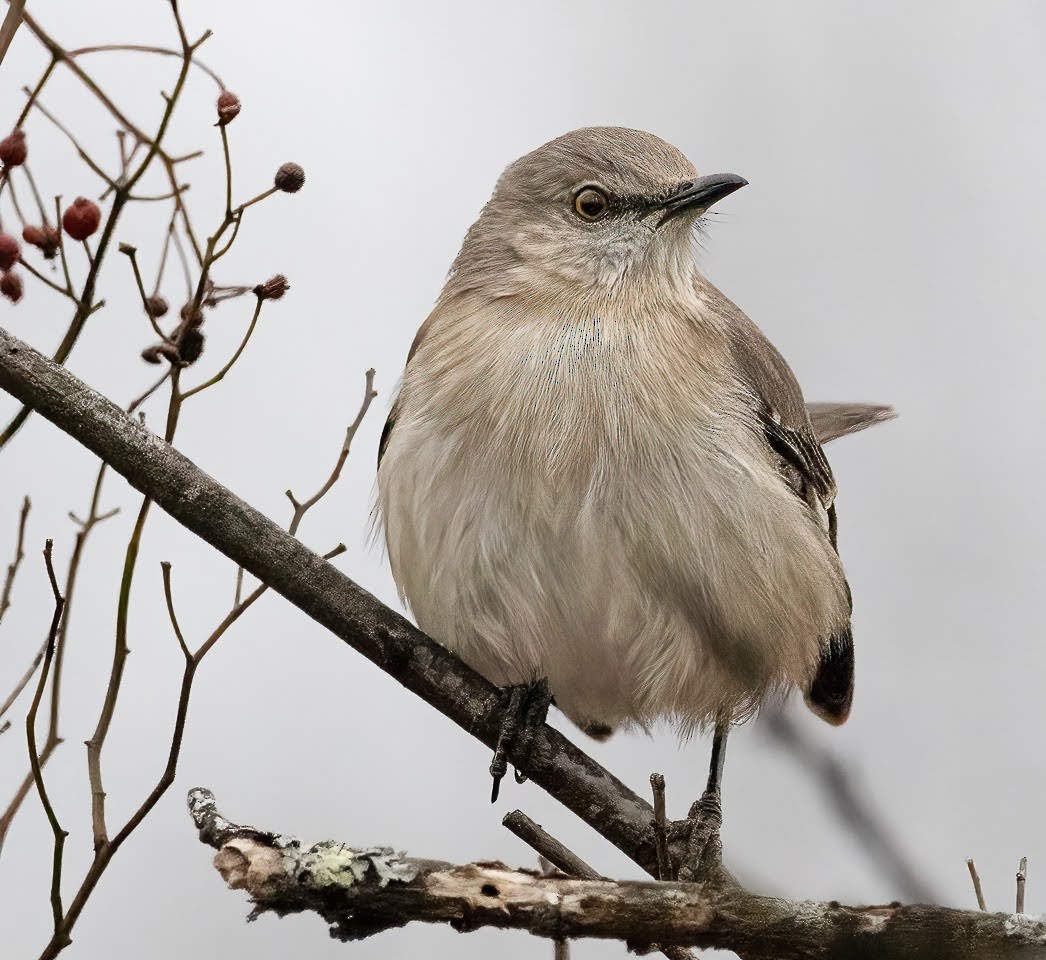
(386, 431)
(792, 439)
(783, 415)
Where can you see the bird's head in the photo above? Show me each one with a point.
(591, 208)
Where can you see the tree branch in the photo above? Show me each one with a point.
(360, 892)
(273, 556)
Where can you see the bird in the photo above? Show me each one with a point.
(598, 474)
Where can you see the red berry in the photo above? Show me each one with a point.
(13, 150)
(81, 218)
(11, 286)
(46, 238)
(9, 251)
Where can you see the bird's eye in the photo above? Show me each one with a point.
(591, 204)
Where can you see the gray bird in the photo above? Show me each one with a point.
(599, 471)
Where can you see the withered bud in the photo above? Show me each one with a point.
(190, 346)
(190, 318)
(13, 150)
(81, 218)
(11, 286)
(156, 306)
(9, 251)
(273, 288)
(46, 238)
(289, 178)
(161, 351)
(228, 107)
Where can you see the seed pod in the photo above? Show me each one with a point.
(273, 288)
(228, 107)
(156, 306)
(289, 178)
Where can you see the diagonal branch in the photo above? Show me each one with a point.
(361, 892)
(273, 556)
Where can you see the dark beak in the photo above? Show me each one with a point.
(696, 196)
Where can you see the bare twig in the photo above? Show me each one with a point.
(12, 21)
(34, 753)
(548, 846)
(1022, 878)
(12, 567)
(300, 509)
(143, 48)
(975, 877)
(660, 827)
(24, 681)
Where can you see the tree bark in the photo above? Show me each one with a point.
(360, 892)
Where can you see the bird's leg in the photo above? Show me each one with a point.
(702, 855)
(526, 710)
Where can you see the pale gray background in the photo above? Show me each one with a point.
(891, 244)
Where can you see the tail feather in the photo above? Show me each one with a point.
(831, 692)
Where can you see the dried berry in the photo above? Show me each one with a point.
(9, 251)
(190, 346)
(189, 317)
(228, 107)
(273, 288)
(156, 306)
(13, 150)
(11, 286)
(161, 351)
(81, 218)
(46, 238)
(289, 178)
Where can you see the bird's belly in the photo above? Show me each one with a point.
(597, 569)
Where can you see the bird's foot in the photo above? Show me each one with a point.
(696, 844)
(525, 711)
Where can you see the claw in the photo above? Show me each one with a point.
(526, 710)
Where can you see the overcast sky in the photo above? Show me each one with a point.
(891, 244)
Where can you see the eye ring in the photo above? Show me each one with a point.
(591, 204)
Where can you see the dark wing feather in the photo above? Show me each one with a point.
(790, 436)
(386, 431)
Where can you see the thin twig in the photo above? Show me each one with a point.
(975, 877)
(132, 254)
(12, 21)
(71, 137)
(34, 754)
(660, 828)
(12, 567)
(165, 567)
(142, 48)
(1022, 878)
(220, 375)
(548, 846)
(24, 682)
(300, 509)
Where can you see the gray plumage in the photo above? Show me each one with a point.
(600, 471)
